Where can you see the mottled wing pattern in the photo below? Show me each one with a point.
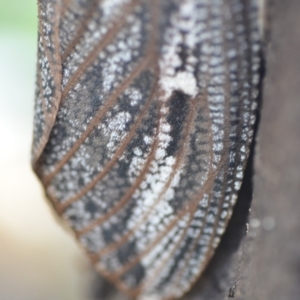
(143, 119)
(48, 86)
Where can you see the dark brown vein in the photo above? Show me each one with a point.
(113, 160)
(194, 244)
(135, 260)
(128, 194)
(152, 52)
(97, 118)
(159, 198)
(147, 282)
(159, 268)
(64, 6)
(211, 175)
(55, 71)
(115, 276)
(210, 251)
(86, 18)
(40, 92)
(117, 25)
(154, 243)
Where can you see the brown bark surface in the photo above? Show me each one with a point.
(274, 272)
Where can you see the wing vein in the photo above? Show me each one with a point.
(98, 48)
(129, 192)
(109, 165)
(95, 121)
(179, 160)
(86, 18)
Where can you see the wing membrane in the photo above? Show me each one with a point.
(142, 142)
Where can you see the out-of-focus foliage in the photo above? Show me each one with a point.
(19, 15)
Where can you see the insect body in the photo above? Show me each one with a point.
(143, 120)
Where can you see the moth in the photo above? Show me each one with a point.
(144, 116)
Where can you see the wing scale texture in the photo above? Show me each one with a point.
(143, 120)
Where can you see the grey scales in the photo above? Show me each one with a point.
(144, 117)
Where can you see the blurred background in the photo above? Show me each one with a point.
(38, 258)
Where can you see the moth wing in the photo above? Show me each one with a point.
(146, 154)
(48, 82)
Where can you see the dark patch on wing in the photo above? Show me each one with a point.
(179, 108)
